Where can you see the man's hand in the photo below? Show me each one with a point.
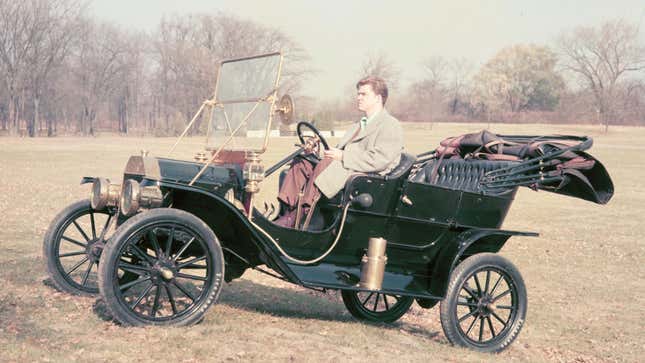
(336, 154)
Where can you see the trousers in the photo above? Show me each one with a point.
(300, 179)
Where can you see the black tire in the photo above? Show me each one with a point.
(72, 247)
(427, 303)
(178, 242)
(385, 308)
(489, 289)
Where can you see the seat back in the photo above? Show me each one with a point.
(403, 168)
(458, 174)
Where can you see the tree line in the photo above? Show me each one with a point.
(65, 72)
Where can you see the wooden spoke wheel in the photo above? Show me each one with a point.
(72, 247)
(486, 303)
(375, 306)
(179, 266)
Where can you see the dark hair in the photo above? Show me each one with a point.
(378, 86)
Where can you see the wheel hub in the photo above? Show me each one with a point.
(485, 305)
(164, 270)
(94, 249)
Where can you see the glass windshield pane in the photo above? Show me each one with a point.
(247, 79)
(242, 114)
(229, 119)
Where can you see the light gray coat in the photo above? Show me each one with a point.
(376, 149)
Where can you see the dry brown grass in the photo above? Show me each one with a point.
(584, 274)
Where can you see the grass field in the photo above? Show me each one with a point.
(585, 274)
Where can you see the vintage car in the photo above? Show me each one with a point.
(427, 231)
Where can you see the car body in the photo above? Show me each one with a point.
(426, 231)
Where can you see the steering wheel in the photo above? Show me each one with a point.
(313, 129)
(318, 139)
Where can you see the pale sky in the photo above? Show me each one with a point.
(338, 34)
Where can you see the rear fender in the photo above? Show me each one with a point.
(468, 243)
(229, 224)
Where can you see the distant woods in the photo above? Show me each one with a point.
(65, 72)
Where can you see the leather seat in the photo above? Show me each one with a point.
(458, 174)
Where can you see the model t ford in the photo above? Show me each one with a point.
(427, 231)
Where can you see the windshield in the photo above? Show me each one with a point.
(244, 97)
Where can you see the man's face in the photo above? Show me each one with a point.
(367, 100)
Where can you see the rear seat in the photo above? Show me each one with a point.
(458, 174)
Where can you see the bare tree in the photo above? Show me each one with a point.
(380, 65)
(56, 25)
(16, 34)
(602, 57)
(460, 73)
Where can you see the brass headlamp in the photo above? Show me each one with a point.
(134, 197)
(104, 194)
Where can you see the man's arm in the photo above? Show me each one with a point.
(386, 148)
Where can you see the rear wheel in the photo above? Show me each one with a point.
(485, 305)
(72, 247)
(179, 264)
(375, 306)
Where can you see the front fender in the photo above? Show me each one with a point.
(466, 244)
(230, 224)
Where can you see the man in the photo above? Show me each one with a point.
(373, 145)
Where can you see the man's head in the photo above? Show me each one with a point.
(371, 94)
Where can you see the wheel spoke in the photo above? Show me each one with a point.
(470, 292)
(72, 254)
(367, 298)
(171, 298)
(498, 318)
(506, 307)
(467, 315)
(169, 241)
(194, 260)
(472, 324)
(479, 287)
(155, 305)
(87, 239)
(487, 281)
(376, 302)
(142, 255)
(495, 285)
(490, 326)
(183, 289)
(137, 269)
(74, 241)
(467, 303)
(93, 225)
(501, 295)
(153, 240)
(183, 249)
(481, 328)
(191, 277)
(87, 274)
(105, 227)
(133, 283)
(387, 306)
(85, 259)
(143, 294)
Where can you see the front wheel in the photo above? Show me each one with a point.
(485, 305)
(179, 264)
(72, 247)
(375, 306)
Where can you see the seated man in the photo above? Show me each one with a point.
(373, 145)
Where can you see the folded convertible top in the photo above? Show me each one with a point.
(555, 163)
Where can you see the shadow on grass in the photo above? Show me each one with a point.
(294, 304)
(101, 310)
(287, 303)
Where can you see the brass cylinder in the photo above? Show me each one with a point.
(373, 264)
